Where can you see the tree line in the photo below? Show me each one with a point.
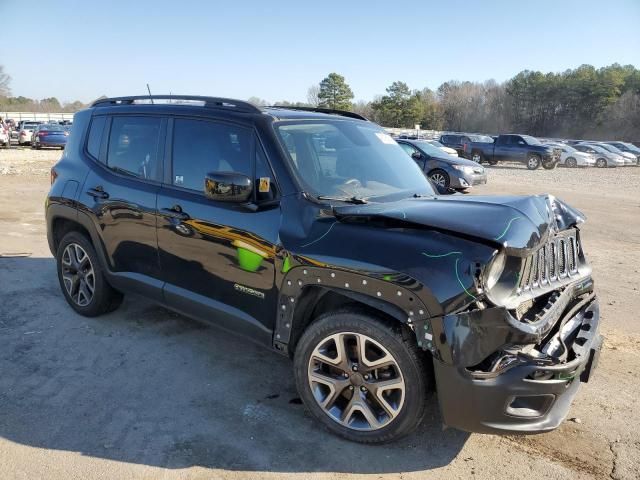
(584, 102)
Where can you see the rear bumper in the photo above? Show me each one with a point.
(530, 396)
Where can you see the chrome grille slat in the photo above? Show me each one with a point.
(552, 262)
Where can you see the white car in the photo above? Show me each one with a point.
(26, 130)
(604, 157)
(448, 150)
(572, 158)
(5, 141)
(629, 158)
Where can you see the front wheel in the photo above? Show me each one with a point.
(440, 178)
(601, 163)
(361, 377)
(533, 162)
(477, 157)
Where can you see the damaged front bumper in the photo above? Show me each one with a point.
(496, 374)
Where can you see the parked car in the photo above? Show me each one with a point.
(458, 140)
(629, 158)
(5, 139)
(572, 158)
(26, 131)
(604, 158)
(514, 148)
(629, 148)
(336, 253)
(444, 170)
(49, 135)
(445, 149)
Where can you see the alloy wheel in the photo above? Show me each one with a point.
(601, 163)
(476, 157)
(356, 381)
(78, 274)
(438, 179)
(533, 162)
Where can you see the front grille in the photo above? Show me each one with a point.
(553, 262)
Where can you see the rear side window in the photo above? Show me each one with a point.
(95, 136)
(201, 147)
(133, 146)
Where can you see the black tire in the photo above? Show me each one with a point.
(442, 177)
(105, 298)
(549, 164)
(399, 343)
(477, 157)
(571, 162)
(533, 162)
(601, 162)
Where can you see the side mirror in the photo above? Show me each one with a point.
(416, 155)
(228, 187)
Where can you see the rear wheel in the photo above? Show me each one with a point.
(571, 162)
(477, 157)
(601, 163)
(533, 162)
(361, 376)
(440, 178)
(82, 279)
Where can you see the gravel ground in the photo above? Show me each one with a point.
(145, 393)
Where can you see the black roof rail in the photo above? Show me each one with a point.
(343, 113)
(210, 102)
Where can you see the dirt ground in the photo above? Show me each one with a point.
(145, 393)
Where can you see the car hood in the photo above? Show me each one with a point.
(451, 160)
(518, 223)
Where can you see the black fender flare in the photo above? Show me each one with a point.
(402, 301)
(57, 211)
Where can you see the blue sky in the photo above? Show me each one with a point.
(277, 49)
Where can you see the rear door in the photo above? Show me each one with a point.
(121, 193)
(217, 258)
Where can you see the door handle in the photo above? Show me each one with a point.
(97, 192)
(176, 212)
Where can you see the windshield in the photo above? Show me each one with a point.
(429, 149)
(531, 140)
(631, 147)
(597, 148)
(345, 159)
(611, 148)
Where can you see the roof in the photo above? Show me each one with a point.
(228, 104)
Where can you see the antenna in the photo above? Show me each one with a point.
(149, 90)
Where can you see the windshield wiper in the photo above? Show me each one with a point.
(355, 200)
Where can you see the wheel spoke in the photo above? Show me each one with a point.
(336, 387)
(373, 403)
(77, 274)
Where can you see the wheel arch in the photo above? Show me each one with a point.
(307, 292)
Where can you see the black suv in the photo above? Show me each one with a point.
(313, 233)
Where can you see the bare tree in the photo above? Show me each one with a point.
(312, 95)
(5, 79)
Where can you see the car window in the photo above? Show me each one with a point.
(408, 148)
(95, 136)
(201, 147)
(133, 146)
